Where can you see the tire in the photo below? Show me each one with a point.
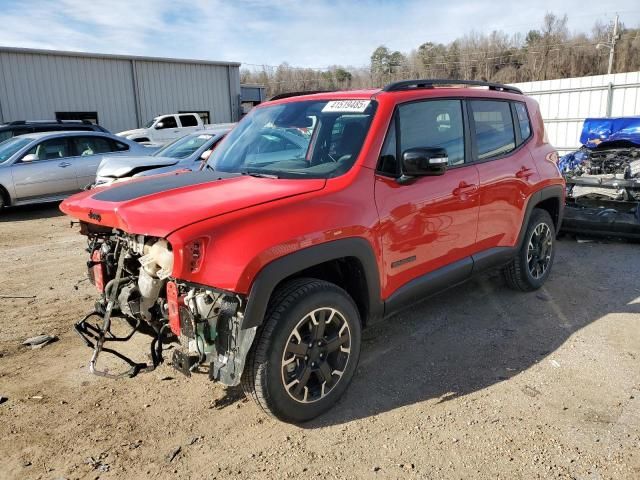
(4, 196)
(295, 311)
(530, 267)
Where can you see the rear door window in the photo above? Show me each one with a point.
(188, 121)
(85, 146)
(493, 125)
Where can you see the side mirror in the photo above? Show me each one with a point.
(422, 162)
(205, 155)
(29, 158)
(159, 126)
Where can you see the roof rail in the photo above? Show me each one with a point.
(280, 96)
(431, 83)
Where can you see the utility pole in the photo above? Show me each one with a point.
(611, 45)
(614, 37)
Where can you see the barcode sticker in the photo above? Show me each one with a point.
(346, 106)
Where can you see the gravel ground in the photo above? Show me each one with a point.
(478, 382)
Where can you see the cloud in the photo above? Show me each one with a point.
(305, 33)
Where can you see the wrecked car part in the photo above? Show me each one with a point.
(603, 180)
(132, 273)
(207, 323)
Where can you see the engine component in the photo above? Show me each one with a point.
(158, 259)
(149, 289)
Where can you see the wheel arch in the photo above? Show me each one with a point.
(4, 195)
(549, 198)
(350, 263)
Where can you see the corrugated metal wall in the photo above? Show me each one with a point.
(126, 92)
(34, 87)
(169, 88)
(565, 103)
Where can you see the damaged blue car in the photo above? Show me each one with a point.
(603, 179)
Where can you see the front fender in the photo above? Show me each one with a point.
(275, 272)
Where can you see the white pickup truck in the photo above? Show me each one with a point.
(165, 128)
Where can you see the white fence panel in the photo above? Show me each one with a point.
(566, 102)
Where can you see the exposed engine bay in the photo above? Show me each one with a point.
(603, 187)
(133, 275)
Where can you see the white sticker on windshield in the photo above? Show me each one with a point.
(346, 106)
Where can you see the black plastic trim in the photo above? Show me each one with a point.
(491, 258)
(432, 82)
(552, 191)
(429, 284)
(278, 270)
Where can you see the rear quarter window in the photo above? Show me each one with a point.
(119, 146)
(523, 120)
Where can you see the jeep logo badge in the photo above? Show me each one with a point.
(95, 216)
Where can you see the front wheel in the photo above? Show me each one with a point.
(530, 267)
(307, 352)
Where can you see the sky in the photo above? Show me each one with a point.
(309, 33)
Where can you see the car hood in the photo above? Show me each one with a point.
(597, 131)
(135, 131)
(158, 206)
(118, 167)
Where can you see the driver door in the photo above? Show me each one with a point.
(429, 222)
(169, 130)
(49, 174)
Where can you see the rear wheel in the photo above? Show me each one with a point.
(307, 352)
(530, 268)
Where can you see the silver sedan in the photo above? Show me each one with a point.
(49, 166)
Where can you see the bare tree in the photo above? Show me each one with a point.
(550, 51)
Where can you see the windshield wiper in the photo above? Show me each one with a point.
(255, 173)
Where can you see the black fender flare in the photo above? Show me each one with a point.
(281, 268)
(551, 191)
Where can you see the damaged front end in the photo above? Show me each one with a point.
(603, 181)
(133, 275)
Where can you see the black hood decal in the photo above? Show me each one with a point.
(128, 191)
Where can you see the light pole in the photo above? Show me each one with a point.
(611, 45)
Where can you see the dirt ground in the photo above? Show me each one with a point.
(479, 382)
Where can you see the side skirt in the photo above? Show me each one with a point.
(447, 277)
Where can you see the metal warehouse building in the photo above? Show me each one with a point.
(118, 92)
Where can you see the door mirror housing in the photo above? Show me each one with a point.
(423, 162)
(159, 126)
(29, 158)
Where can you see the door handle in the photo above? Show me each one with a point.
(64, 164)
(464, 188)
(524, 172)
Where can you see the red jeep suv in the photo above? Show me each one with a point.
(316, 216)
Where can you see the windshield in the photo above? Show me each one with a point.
(5, 135)
(183, 147)
(150, 123)
(9, 147)
(309, 139)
